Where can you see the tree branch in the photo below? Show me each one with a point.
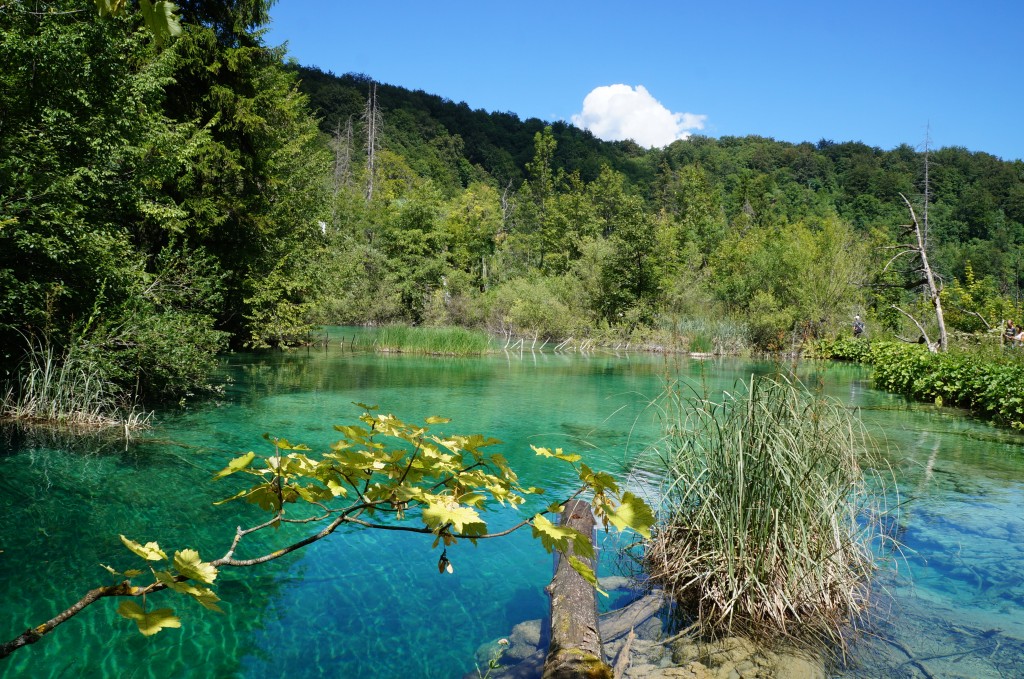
(920, 327)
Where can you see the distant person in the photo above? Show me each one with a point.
(858, 326)
(1011, 331)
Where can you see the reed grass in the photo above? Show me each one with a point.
(763, 527)
(64, 389)
(434, 341)
(722, 336)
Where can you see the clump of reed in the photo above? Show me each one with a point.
(434, 341)
(66, 389)
(763, 528)
(713, 335)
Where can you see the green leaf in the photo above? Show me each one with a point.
(150, 551)
(434, 419)
(586, 573)
(160, 19)
(149, 623)
(364, 406)
(634, 513)
(188, 563)
(236, 465)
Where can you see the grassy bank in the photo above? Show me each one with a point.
(65, 390)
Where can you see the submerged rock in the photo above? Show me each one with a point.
(650, 657)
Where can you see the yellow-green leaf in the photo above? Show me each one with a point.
(241, 493)
(463, 519)
(586, 573)
(188, 563)
(236, 465)
(109, 7)
(634, 513)
(160, 19)
(149, 623)
(547, 452)
(150, 551)
(434, 419)
(204, 595)
(551, 536)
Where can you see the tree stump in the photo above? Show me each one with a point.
(574, 651)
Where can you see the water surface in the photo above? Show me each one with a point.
(366, 604)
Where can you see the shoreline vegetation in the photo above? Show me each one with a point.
(986, 379)
(979, 375)
(67, 392)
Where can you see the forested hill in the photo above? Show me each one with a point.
(976, 199)
(421, 125)
(163, 199)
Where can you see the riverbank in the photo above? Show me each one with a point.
(987, 381)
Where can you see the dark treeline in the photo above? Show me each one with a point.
(161, 203)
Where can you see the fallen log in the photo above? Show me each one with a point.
(574, 651)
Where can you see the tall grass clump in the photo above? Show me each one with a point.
(762, 529)
(713, 335)
(65, 389)
(437, 341)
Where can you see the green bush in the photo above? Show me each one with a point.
(770, 323)
(543, 307)
(989, 385)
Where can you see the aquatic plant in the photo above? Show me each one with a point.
(66, 389)
(984, 380)
(714, 335)
(761, 528)
(437, 341)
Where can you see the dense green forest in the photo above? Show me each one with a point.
(160, 203)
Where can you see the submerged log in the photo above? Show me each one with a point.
(575, 649)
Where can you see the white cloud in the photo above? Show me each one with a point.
(616, 112)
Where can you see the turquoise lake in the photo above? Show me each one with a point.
(368, 604)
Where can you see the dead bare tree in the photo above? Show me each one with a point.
(373, 121)
(342, 145)
(922, 276)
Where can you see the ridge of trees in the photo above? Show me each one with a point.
(977, 210)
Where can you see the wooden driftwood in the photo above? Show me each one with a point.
(575, 648)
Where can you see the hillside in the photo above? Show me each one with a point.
(977, 200)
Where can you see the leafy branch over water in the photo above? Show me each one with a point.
(383, 474)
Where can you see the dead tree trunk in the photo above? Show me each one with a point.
(575, 648)
(919, 249)
(373, 120)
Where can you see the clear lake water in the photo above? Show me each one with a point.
(372, 605)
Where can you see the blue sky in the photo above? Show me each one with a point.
(883, 73)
